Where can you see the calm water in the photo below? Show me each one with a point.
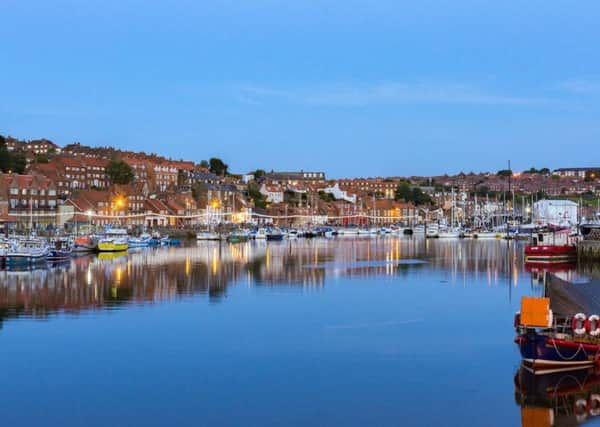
(376, 331)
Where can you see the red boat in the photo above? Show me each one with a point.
(555, 246)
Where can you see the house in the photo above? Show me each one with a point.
(339, 194)
(294, 178)
(272, 192)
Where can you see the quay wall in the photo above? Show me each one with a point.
(588, 250)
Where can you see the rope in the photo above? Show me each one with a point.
(568, 358)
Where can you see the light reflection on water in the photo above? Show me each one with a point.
(368, 331)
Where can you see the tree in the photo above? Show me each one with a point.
(19, 163)
(6, 160)
(217, 166)
(119, 172)
(258, 173)
(41, 158)
(403, 192)
(204, 164)
(504, 172)
(420, 198)
(259, 198)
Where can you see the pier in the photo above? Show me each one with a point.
(588, 250)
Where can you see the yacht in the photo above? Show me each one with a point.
(207, 235)
(27, 251)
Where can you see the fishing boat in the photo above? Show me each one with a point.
(86, 243)
(348, 231)
(561, 330)
(27, 251)
(207, 235)
(143, 241)
(60, 249)
(452, 233)
(553, 246)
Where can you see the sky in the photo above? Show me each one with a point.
(351, 88)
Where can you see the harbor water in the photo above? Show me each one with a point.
(348, 331)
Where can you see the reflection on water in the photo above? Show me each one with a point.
(561, 399)
(111, 280)
(389, 324)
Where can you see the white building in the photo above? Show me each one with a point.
(340, 194)
(273, 193)
(555, 212)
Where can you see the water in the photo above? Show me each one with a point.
(374, 331)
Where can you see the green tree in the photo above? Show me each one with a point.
(504, 172)
(41, 158)
(6, 161)
(403, 192)
(217, 166)
(255, 194)
(258, 173)
(119, 172)
(204, 164)
(19, 163)
(420, 198)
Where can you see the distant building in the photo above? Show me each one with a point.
(555, 212)
(294, 178)
(272, 192)
(577, 172)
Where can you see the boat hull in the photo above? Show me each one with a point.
(544, 353)
(112, 247)
(554, 253)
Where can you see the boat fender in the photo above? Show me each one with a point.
(594, 325)
(517, 320)
(594, 405)
(580, 408)
(579, 323)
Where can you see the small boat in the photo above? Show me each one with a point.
(349, 231)
(487, 235)
(207, 235)
(274, 234)
(432, 231)
(238, 236)
(111, 244)
(60, 250)
(143, 241)
(292, 233)
(27, 251)
(260, 234)
(555, 246)
(450, 234)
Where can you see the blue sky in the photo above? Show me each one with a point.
(349, 87)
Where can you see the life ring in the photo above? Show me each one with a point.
(580, 409)
(594, 325)
(578, 323)
(594, 405)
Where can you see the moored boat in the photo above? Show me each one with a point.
(207, 235)
(27, 251)
(111, 244)
(60, 249)
(553, 246)
(560, 331)
(142, 241)
(274, 234)
(85, 243)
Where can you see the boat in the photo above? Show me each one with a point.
(432, 231)
(238, 236)
(348, 231)
(5, 246)
(485, 235)
(143, 241)
(60, 249)
(86, 243)
(260, 234)
(561, 330)
(27, 251)
(554, 246)
(111, 244)
(207, 235)
(274, 234)
(450, 234)
(292, 233)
